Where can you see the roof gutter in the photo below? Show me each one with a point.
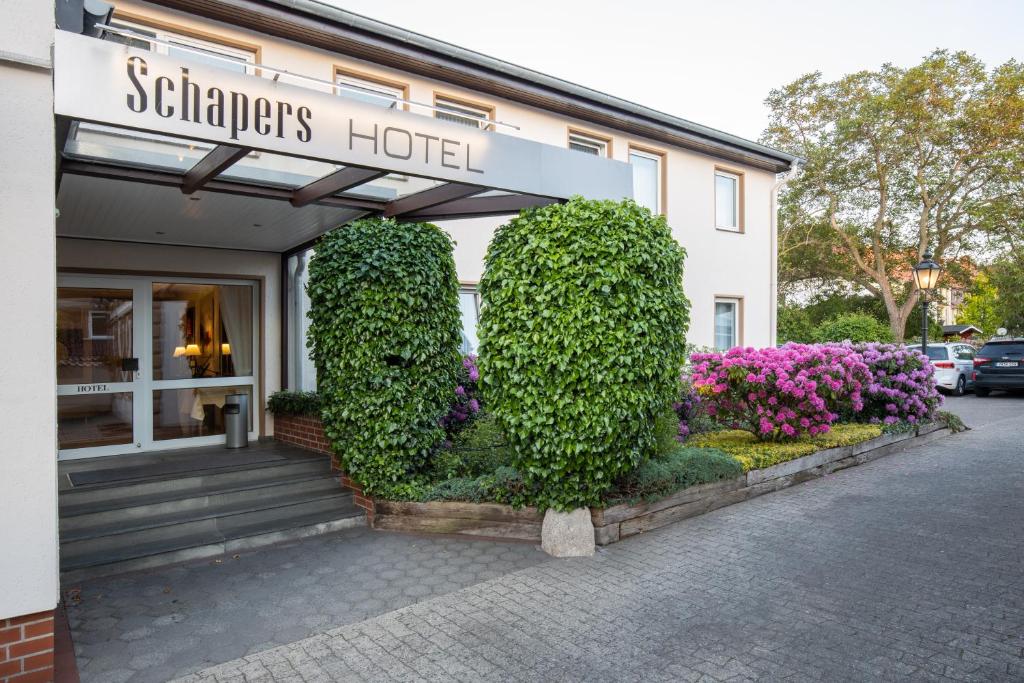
(329, 28)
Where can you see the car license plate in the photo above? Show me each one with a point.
(1006, 364)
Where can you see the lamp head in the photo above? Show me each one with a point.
(926, 273)
(192, 350)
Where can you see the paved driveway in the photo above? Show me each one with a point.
(907, 568)
(152, 626)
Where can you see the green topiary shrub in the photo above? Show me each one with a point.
(385, 335)
(582, 337)
(854, 327)
(294, 403)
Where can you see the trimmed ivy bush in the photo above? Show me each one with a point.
(385, 335)
(294, 403)
(582, 337)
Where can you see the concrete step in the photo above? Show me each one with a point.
(115, 493)
(207, 545)
(159, 528)
(126, 510)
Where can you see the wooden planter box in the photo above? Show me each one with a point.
(489, 520)
(622, 521)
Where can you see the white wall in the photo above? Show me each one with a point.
(28, 449)
(152, 259)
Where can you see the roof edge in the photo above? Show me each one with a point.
(328, 27)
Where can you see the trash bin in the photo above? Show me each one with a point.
(236, 421)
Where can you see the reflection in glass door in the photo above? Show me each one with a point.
(145, 363)
(202, 352)
(97, 367)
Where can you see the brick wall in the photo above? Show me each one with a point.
(307, 432)
(303, 431)
(26, 648)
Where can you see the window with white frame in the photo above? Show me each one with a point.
(369, 91)
(99, 325)
(588, 144)
(727, 200)
(461, 112)
(469, 304)
(646, 178)
(727, 323)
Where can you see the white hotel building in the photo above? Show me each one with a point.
(168, 167)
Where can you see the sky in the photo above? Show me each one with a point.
(714, 61)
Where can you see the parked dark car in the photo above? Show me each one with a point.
(999, 365)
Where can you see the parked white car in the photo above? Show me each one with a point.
(954, 366)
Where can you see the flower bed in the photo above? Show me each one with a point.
(754, 454)
(616, 522)
(709, 484)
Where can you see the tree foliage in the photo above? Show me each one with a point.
(898, 161)
(582, 337)
(853, 327)
(981, 306)
(385, 336)
(1007, 275)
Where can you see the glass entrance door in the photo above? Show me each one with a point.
(147, 363)
(98, 367)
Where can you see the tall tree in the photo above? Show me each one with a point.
(898, 161)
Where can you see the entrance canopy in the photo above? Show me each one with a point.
(176, 148)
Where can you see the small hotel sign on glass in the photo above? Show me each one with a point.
(111, 83)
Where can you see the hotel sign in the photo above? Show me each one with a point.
(110, 83)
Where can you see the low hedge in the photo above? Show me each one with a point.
(294, 403)
(753, 454)
(679, 469)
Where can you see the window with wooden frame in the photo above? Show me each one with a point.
(374, 90)
(187, 43)
(648, 177)
(590, 143)
(463, 112)
(728, 200)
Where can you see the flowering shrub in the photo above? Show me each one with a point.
(902, 385)
(465, 406)
(781, 393)
(689, 409)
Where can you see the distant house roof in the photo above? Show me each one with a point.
(959, 329)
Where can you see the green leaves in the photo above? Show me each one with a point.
(384, 332)
(582, 335)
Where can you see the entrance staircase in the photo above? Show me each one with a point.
(123, 513)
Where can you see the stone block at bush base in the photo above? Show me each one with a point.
(568, 534)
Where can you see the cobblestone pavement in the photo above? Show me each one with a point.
(155, 625)
(906, 568)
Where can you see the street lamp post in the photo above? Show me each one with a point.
(926, 274)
